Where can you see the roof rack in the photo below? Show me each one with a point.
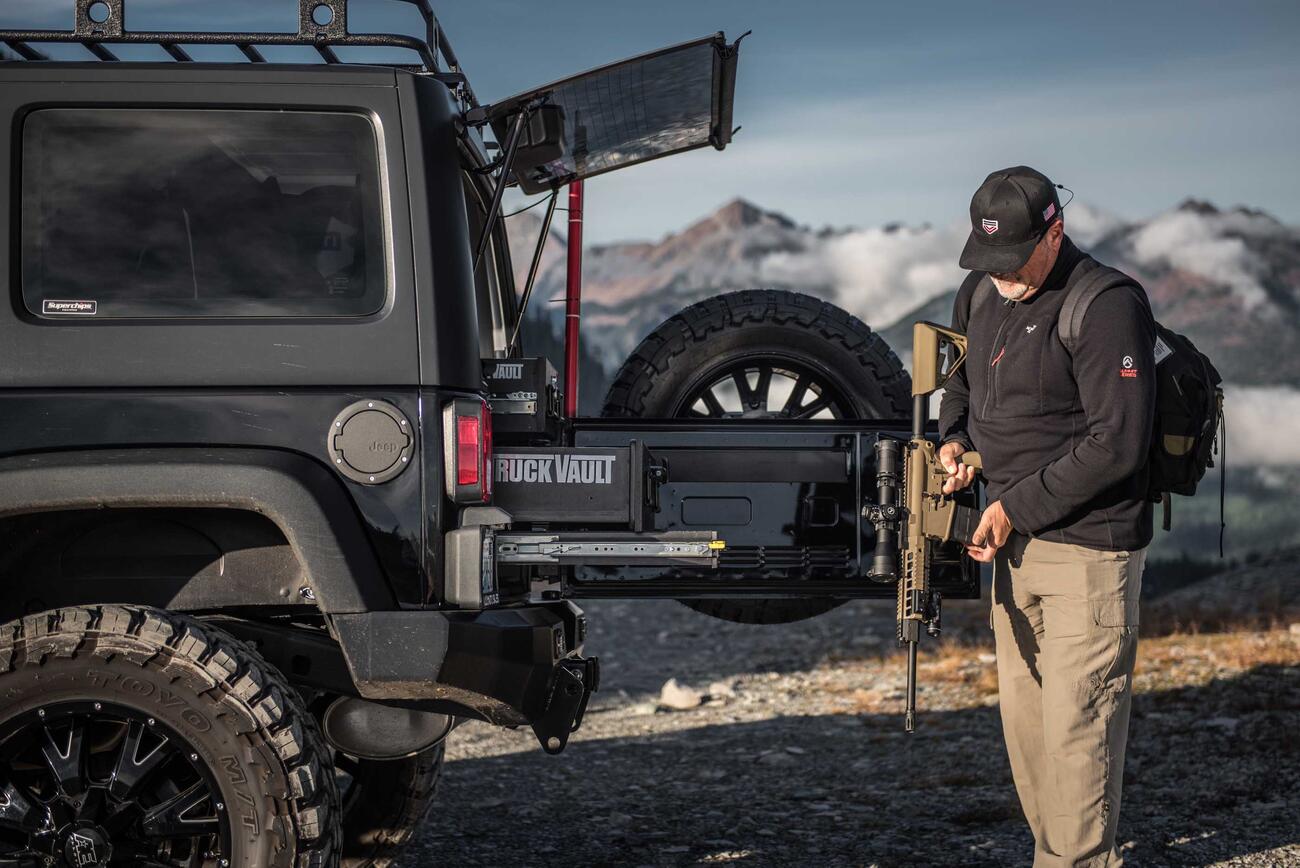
(322, 25)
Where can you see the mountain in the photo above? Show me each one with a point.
(1228, 279)
(629, 288)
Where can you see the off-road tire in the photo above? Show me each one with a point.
(236, 711)
(389, 801)
(718, 331)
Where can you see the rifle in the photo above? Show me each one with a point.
(909, 527)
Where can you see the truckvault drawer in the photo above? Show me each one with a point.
(557, 484)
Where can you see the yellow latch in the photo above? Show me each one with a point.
(717, 545)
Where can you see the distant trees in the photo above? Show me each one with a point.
(1164, 575)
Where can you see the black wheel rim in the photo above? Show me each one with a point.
(764, 387)
(95, 783)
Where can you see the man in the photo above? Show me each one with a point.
(1064, 441)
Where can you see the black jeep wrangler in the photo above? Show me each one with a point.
(282, 501)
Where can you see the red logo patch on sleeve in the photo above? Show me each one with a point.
(1128, 370)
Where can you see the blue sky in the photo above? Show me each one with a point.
(866, 113)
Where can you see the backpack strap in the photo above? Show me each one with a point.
(1095, 280)
(980, 294)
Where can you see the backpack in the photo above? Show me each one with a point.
(1189, 424)
(1189, 427)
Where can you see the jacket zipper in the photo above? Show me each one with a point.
(995, 355)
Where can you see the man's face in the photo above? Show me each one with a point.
(1024, 282)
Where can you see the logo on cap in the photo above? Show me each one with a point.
(990, 226)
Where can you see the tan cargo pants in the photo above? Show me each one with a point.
(1065, 621)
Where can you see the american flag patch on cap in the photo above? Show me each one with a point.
(1049, 210)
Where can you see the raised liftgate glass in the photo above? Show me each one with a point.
(654, 105)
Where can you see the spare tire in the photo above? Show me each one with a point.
(762, 353)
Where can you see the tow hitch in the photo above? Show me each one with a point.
(575, 680)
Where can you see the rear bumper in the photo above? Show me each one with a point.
(510, 666)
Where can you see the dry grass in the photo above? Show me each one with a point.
(960, 664)
(1186, 658)
(1238, 650)
(967, 668)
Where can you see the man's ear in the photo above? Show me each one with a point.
(1055, 233)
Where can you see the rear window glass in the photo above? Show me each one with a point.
(175, 213)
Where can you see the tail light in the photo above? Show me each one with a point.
(467, 450)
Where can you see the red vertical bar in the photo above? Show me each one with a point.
(573, 301)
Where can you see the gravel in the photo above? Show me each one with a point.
(790, 750)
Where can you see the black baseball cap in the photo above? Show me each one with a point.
(1009, 213)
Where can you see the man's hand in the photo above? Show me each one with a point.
(959, 475)
(992, 533)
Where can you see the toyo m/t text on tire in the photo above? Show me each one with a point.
(136, 736)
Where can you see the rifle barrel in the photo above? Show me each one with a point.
(909, 718)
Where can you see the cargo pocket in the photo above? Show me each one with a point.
(1115, 611)
(1116, 621)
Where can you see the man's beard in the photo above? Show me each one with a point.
(1013, 293)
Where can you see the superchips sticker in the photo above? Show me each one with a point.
(62, 307)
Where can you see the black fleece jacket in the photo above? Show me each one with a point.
(1064, 440)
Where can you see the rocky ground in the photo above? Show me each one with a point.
(790, 750)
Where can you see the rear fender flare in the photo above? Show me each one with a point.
(302, 497)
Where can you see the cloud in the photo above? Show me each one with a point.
(1195, 242)
(1263, 424)
(1088, 225)
(878, 274)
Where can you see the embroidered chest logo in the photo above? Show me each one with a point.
(990, 226)
(1127, 369)
(1029, 329)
